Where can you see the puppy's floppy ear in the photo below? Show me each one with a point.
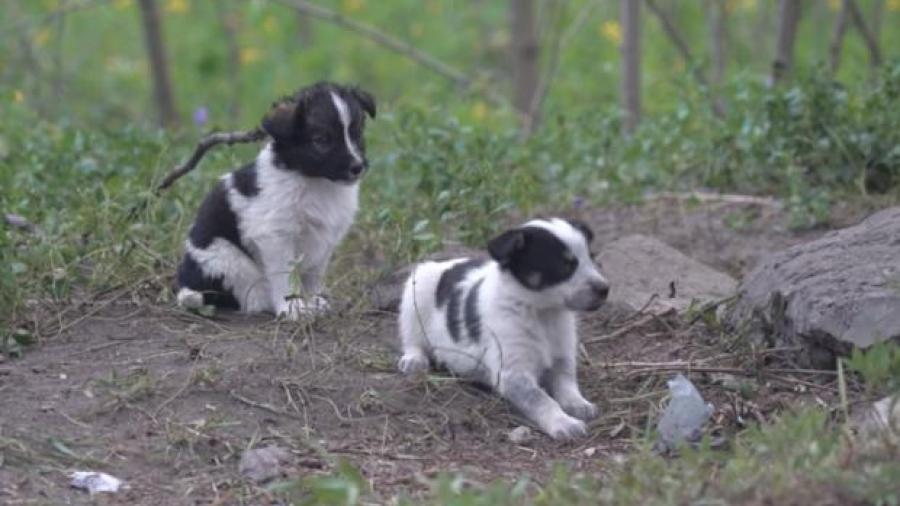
(365, 99)
(280, 120)
(584, 229)
(502, 247)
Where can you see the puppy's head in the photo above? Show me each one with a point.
(319, 131)
(552, 259)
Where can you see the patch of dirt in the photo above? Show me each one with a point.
(167, 400)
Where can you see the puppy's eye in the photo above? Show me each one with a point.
(570, 260)
(321, 140)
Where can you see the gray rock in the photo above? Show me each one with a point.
(684, 416)
(639, 266)
(829, 295)
(263, 464)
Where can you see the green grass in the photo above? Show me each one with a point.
(79, 159)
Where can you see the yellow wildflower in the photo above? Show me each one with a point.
(611, 31)
(18, 96)
(834, 5)
(269, 24)
(893, 5)
(479, 110)
(434, 7)
(417, 29)
(250, 55)
(351, 6)
(41, 37)
(176, 6)
(122, 4)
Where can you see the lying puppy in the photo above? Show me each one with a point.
(509, 322)
(287, 210)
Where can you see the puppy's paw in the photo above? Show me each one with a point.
(318, 305)
(412, 363)
(581, 409)
(563, 427)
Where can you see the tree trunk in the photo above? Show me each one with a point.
(837, 37)
(159, 67)
(229, 25)
(715, 21)
(877, 15)
(524, 45)
(631, 64)
(870, 40)
(788, 17)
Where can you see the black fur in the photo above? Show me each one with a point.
(308, 134)
(584, 228)
(191, 275)
(452, 276)
(534, 256)
(244, 180)
(473, 319)
(215, 218)
(453, 316)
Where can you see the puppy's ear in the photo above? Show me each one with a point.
(584, 229)
(280, 120)
(505, 245)
(365, 99)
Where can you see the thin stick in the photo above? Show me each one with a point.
(204, 145)
(389, 42)
(621, 330)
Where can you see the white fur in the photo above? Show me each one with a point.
(526, 336)
(293, 222)
(344, 115)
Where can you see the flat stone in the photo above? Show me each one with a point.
(262, 464)
(830, 295)
(640, 268)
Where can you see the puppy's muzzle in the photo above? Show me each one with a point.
(589, 298)
(356, 170)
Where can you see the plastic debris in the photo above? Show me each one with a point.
(263, 464)
(95, 482)
(520, 434)
(684, 417)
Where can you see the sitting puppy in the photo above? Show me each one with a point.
(287, 210)
(509, 322)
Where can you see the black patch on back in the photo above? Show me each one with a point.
(452, 276)
(473, 319)
(190, 275)
(215, 218)
(244, 180)
(543, 257)
(453, 316)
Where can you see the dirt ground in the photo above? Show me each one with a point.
(168, 400)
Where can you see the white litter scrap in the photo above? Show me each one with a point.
(95, 482)
(684, 417)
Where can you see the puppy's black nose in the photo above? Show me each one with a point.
(601, 289)
(357, 169)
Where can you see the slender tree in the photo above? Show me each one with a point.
(715, 22)
(159, 65)
(837, 37)
(788, 17)
(630, 13)
(525, 48)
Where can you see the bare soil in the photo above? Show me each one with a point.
(168, 400)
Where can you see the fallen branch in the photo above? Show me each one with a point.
(390, 42)
(204, 145)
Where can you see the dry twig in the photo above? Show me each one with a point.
(204, 145)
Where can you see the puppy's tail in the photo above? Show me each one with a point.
(190, 299)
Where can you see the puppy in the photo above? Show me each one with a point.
(285, 212)
(509, 321)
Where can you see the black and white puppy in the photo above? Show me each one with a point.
(509, 321)
(285, 212)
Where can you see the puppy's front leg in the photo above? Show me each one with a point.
(278, 257)
(563, 386)
(561, 379)
(312, 279)
(523, 391)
